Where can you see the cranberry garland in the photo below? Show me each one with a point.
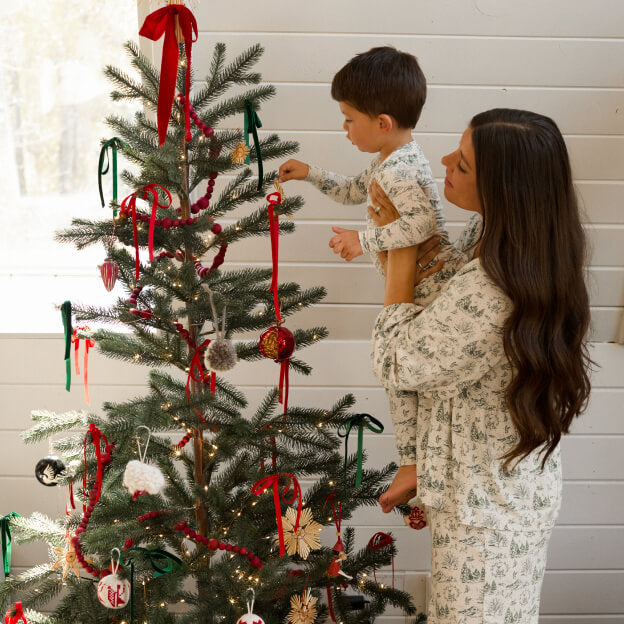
(103, 460)
(215, 544)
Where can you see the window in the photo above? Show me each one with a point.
(56, 99)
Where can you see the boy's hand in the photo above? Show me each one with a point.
(346, 243)
(293, 170)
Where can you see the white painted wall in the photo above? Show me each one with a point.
(562, 58)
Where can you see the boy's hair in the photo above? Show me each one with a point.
(383, 81)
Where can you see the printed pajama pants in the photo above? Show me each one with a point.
(484, 576)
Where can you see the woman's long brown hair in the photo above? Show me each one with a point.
(533, 247)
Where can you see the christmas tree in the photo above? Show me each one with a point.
(201, 501)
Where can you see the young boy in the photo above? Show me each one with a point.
(381, 94)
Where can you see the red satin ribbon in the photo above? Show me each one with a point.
(88, 344)
(273, 481)
(196, 364)
(19, 615)
(379, 540)
(337, 519)
(283, 384)
(330, 604)
(163, 22)
(274, 199)
(96, 437)
(129, 204)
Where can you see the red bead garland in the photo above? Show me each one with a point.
(214, 544)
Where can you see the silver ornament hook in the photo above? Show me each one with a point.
(138, 439)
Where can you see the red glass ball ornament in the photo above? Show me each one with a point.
(277, 343)
(109, 272)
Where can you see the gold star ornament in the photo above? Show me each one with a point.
(67, 558)
(239, 154)
(305, 538)
(302, 608)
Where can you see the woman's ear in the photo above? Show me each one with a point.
(386, 123)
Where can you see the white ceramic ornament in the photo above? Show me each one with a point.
(249, 617)
(113, 591)
(141, 478)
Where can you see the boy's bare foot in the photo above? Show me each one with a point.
(401, 490)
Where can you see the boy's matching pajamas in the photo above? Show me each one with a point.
(489, 527)
(406, 177)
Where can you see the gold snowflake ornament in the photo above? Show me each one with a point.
(302, 608)
(305, 538)
(67, 558)
(239, 155)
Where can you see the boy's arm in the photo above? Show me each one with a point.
(342, 189)
(416, 224)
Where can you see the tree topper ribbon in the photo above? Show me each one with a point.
(273, 481)
(5, 527)
(85, 333)
(129, 204)
(66, 312)
(163, 22)
(252, 123)
(359, 421)
(114, 144)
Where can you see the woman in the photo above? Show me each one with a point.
(500, 365)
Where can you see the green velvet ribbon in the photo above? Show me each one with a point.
(360, 421)
(5, 528)
(252, 123)
(171, 563)
(66, 311)
(103, 166)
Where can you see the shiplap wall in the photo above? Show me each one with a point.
(561, 58)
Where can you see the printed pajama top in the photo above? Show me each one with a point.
(451, 354)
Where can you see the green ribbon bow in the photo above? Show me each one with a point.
(359, 421)
(66, 311)
(103, 165)
(5, 527)
(171, 563)
(252, 123)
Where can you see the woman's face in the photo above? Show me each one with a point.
(460, 184)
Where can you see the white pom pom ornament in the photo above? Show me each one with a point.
(250, 617)
(141, 478)
(113, 591)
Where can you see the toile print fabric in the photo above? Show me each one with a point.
(451, 353)
(484, 576)
(405, 176)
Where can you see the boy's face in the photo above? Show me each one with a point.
(362, 130)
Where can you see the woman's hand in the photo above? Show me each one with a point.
(383, 211)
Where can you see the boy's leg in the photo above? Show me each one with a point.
(404, 412)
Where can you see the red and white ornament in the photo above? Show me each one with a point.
(141, 478)
(250, 617)
(113, 591)
(109, 272)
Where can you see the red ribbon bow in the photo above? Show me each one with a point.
(380, 540)
(163, 22)
(273, 481)
(88, 344)
(199, 377)
(101, 460)
(13, 616)
(129, 204)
